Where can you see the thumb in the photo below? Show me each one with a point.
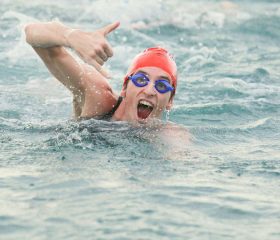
(109, 28)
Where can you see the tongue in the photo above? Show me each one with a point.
(143, 112)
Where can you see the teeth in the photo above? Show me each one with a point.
(143, 102)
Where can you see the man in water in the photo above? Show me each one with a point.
(149, 85)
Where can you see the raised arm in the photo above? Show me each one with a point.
(49, 41)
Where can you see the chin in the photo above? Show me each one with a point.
(143, 121)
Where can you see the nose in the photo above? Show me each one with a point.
(150, 89)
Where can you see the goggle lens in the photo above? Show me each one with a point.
(141, 80)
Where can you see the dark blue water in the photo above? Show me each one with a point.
(60, 179)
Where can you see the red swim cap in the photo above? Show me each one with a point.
(154, 57)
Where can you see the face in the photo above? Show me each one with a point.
(144, 103)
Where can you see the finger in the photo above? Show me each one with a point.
(109, 28)
(99, 60)
(108, 50)
(102, 55)
(98, 67)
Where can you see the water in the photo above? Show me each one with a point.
(97, 180)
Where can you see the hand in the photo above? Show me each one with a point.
(92, 47)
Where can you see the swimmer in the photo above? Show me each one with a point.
(148, 87)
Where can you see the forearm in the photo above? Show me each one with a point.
(48, 34)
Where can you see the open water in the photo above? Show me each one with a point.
(60, 179)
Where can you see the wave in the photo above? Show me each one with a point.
(215, 108)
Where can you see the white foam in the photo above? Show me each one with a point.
(133, 15)
(21, 49)
(201, 14)
(236, 84)
(125, 11)
(255, 124)
(50, 90)
(22, 18)
(18, 172)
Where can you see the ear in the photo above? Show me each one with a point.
(170, 103)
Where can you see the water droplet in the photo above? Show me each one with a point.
(167, 115)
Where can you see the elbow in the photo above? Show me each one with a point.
(28, 33)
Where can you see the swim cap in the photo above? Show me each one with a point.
(154, 57)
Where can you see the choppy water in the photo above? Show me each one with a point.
(98, 180)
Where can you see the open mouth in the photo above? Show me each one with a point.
(144, 109)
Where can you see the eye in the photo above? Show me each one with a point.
(161, 86)
(141, 80)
